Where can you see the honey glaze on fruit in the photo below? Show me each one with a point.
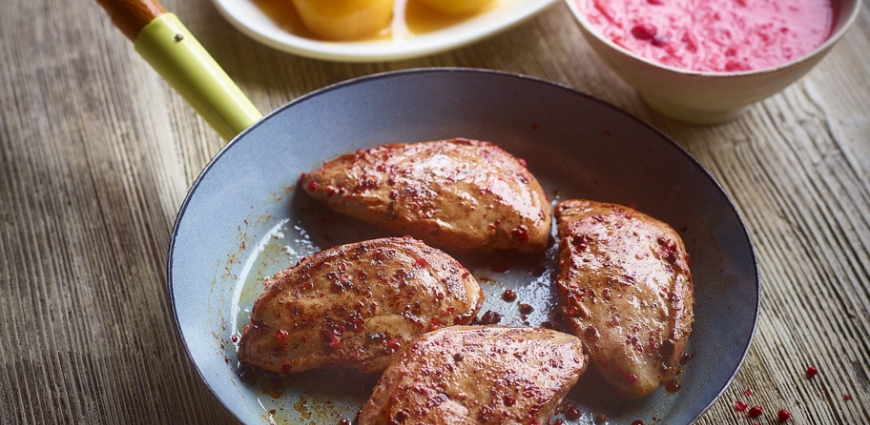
(409, 18)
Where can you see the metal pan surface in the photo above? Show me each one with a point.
(244, 220)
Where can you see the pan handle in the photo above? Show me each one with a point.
(174, 53)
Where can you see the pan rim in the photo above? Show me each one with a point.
(438, 70)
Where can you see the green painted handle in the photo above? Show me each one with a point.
(176, 55)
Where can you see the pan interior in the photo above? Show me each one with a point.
(244, 220)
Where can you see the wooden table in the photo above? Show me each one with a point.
(97, 153)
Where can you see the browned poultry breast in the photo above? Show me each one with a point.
(354, 306)
(626, 290)
(459, 194)
(477, 375)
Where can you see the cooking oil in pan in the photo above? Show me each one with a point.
(311, 227)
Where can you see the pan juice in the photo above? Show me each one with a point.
(310, 227)
(269, 244)
(308, 396)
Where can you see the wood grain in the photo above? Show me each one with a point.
(96, 154)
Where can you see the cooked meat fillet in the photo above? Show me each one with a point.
(354, 306)
(459, 194)
(626, 290)
(477, 375)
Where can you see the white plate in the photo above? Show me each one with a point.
(248, 18)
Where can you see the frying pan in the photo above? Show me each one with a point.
(244, 219)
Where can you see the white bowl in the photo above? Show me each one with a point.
(249, 19)
(706, 97)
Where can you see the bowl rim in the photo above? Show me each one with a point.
(821, 49)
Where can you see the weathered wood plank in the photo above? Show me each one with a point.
(96, 155)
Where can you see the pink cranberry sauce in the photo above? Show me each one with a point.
(714, 35)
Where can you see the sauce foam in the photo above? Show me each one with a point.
(714, 35)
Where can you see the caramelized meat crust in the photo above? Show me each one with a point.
(459, 194)
(354, 306)
(626, 291)
(477, 375)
